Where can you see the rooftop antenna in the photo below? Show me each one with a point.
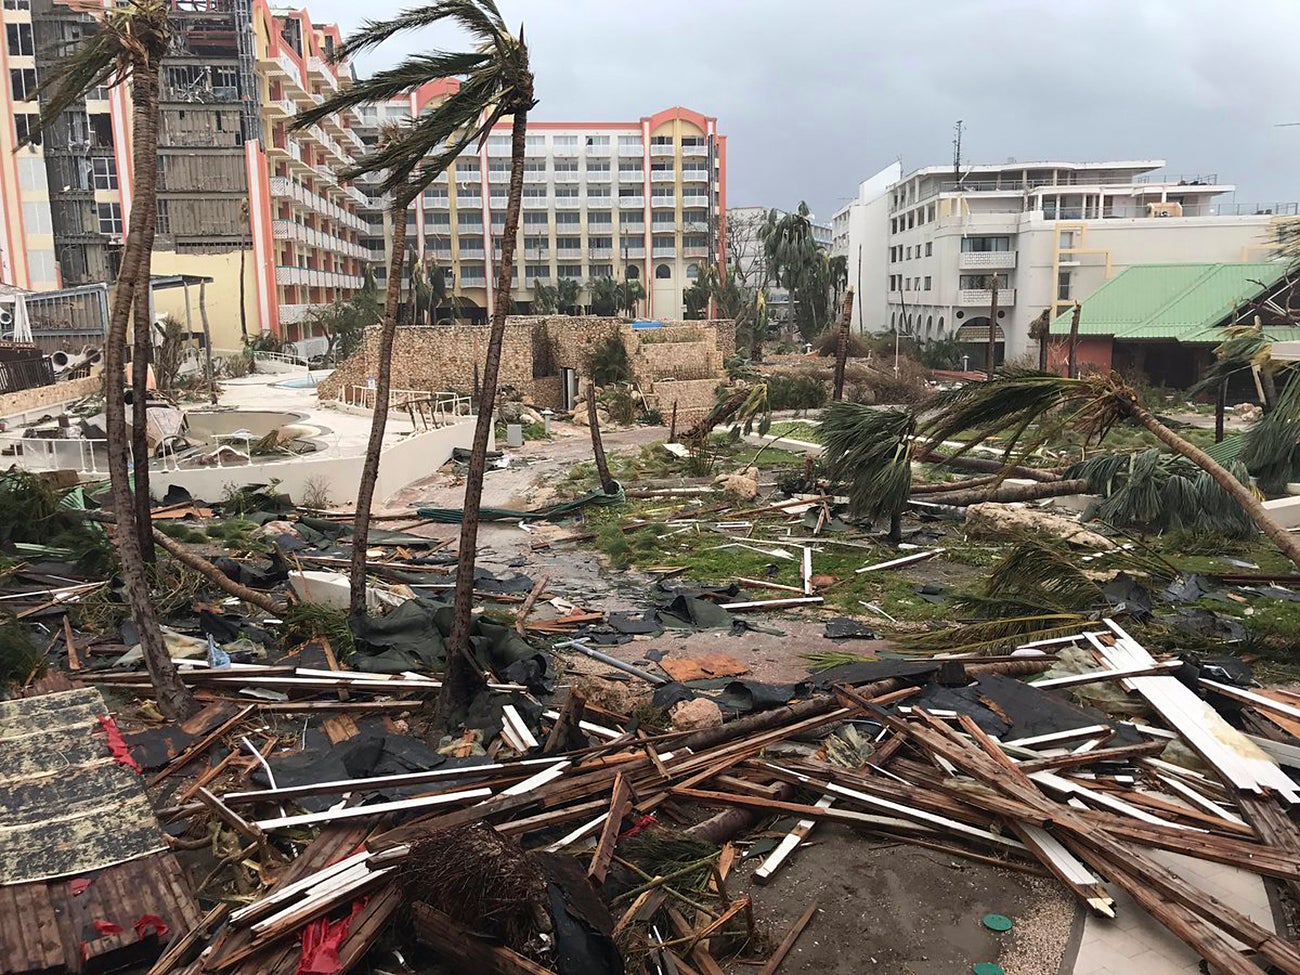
(956, 152)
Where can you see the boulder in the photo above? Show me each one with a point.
(993, 520)
(699, 714)
(742, 485)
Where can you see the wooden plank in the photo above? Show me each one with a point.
(352, 812)
(527, 607)
(229, 816)
(783, 949)
(787, 846)
(619, 803)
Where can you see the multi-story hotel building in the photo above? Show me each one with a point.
(923, 249)
(233, 181)
(643, 200)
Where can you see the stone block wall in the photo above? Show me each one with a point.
(693, 397)
(443, 357)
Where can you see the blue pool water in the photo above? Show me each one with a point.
(299, 382)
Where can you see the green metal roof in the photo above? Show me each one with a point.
(1182, 302)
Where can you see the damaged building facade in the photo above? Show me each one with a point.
(240, 197)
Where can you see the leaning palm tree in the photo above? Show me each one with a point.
(127, 45)
(870, 450)
(496, 84)
(1028, 409)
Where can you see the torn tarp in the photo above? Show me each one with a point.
(844, 628)
(413, 637)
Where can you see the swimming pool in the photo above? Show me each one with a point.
(299, 382)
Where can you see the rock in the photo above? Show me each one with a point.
(822, 582)
(993, 520)
(697, 715)
(274, 529)
(509, 411)
(742, 484)
(530, 415)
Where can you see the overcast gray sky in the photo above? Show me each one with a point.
(816, 95)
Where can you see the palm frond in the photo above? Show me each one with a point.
(1245, 347)
(1043, 572)
(870, 451)
(413, 71)
(479, 17)
(988, 636)
(1271, 449)
(1027, 408)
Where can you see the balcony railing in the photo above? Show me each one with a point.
(665, 252)
(437, 202)
(631, 202)
(469, 203)
(605, 252)
(598, 176)
(663, 175)
(661, 150)
(695, 150)
(695, 174)
(990, 260)
(534, 176)
(631, 175)
(983, 297)
(472, 253)
(695, 251)
(638, 251)
(599, 150)
(695, 200)
(567, 203)
(567, 176)
(536, 203)
(498, 175)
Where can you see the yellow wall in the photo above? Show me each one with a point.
(222, 297)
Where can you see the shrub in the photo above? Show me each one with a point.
(619, 404)
(828, 342)
(610, 363)
(796, 391)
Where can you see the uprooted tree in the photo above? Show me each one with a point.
(1025, 409)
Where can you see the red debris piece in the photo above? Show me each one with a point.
(78, 885)
(321, 940)
(147, 923)
(117, 744)
(108, 927)
(638, 824)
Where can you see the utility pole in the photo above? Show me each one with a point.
(1074, 342)
(993, 326)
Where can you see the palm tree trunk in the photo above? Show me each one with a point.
(1072, 362)
(842, 346)
(379, 416)
(463, 675)
(1006, 493)
(174, 699)
(140, 350)
(1239, 492)
(243, 311)
(607, 483)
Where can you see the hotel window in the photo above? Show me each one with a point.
(22, 82)
(538, 272)
(104, 170)
(597, 140)
(930, 218)
(566, 192)
(1063, 286)
(564, 140)
(661, 140)
(27, 127)
(534, 141)
(629, 143)
(110, 218)
(536, 220)
(597, 271)
(20, 40)
(929, 248)
(569, 270)
(567, 219)
(18, 4)
(908, 252)
(979, 244)
(927, 282)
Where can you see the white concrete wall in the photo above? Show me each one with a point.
(401, 464)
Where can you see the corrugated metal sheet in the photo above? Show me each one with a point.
(1182, 302)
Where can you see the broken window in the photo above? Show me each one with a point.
(26, 127)
(101, 130)
(19, 37)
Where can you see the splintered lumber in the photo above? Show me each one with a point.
(783, 949)
(229, 816)
(527, 607)
(1087, 886)
(567, 722)
(459, 944)
(904, 560)
(619, 803)
(352, 812)
(787, 845)
(515, 730)
(199, 747)
(744, 607)
(1225, 749)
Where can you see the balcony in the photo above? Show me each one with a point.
(498, 176)
(281, 106)
(437, 202)
(532, 151)
(986, 260)
(604, 150)
(695, 150)
(316, 66)
(661, 150)
(569, 253)
(663, 176)
(564, 151)
(292, 314)
(472, 253)
(567, 176)
(536, 203)
(469, 203)
(695, 251)
(631, 175)
(287, 65)
(665, 252)
(983, 298)
(600, 201)
(326, 174)
(534, 176)
(567, 203)
(630, 251)
(605, 252)
(694, 200)
(598, 176)
(631, 202)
